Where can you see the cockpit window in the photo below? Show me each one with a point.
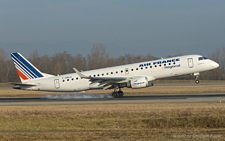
(202, 58)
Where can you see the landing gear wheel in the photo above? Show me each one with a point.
(120, 93)
(197, 81)
(114, 94)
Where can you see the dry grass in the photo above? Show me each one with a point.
(114, 122)
(187, 121)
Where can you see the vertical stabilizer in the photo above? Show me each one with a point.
(24, 68)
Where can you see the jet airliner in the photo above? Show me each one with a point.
(137, 75)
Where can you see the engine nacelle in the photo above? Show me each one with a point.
(140, 82)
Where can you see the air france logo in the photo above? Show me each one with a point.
(160, 62)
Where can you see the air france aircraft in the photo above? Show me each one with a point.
(137, 75)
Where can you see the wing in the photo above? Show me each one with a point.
(105, 82)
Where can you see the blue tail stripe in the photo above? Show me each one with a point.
(23, 67)
(26, 65)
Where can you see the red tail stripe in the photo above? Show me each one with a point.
(21, 74)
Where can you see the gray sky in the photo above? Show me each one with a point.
(159, 27)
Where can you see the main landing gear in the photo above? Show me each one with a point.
(117, 94)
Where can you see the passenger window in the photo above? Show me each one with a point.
(116, 72)
(98, 74)
(146, 67)
(77, 78)
(63, 80)
(121, 71)
(150, 66)
(94, 75)
(142, 68)
(68, 80)
(111, 72)
(155, 65)
(72, 79)
(136, 68)
(132, 69)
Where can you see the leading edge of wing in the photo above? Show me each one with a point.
(99, 78)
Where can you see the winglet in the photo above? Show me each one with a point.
(80, 74)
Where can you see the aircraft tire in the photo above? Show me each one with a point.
(114, 94)
(197, 81)
(120, 93)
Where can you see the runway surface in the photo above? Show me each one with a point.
(107, 99)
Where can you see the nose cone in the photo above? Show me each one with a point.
(215, 65)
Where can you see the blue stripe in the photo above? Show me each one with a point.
(26, 65)
(23, 67)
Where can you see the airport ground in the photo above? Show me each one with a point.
(160, 87)
(153, 121)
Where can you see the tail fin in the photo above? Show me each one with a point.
(24, 68)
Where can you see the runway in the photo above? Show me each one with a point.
(127, 99)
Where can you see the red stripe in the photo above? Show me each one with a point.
(21, 74)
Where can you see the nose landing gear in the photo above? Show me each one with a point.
(197, 78)
(197, 81)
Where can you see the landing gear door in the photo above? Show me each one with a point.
(56, 82)
(190, 62)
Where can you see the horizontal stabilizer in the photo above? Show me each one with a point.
(21, 84)
(17, 85)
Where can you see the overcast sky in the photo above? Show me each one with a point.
(159, 27)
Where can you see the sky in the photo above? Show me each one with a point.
(158, 27)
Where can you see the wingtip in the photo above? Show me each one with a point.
(80, 74)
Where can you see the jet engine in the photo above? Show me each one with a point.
(139, 82)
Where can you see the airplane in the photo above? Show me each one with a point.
(136, 75)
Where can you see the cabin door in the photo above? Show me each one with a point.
(56, 82)
(190, 62)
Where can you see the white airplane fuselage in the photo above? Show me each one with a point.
(151, 70)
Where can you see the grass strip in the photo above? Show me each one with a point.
(113, 122)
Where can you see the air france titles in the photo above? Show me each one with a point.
(163, 62)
